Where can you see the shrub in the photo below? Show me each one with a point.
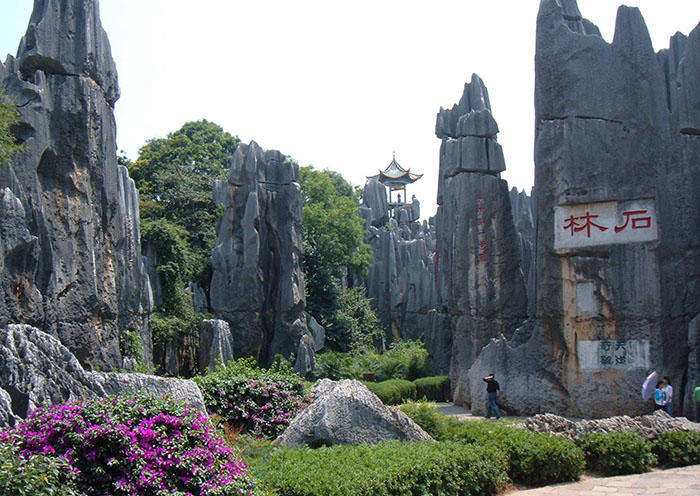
(429, 418)
(677, 449)
(434, 388)
(258, 401)
(533, 459)
(333, 365)
(405, 359)
(393, 391)
(135, 445)
(391, 468)
(36, 475)
(617, 453)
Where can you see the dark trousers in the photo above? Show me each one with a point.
(492, 407)
(669, 408)
(697, 412)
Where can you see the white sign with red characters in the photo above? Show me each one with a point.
(604, 223)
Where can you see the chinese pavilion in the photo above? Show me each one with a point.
(395, 178)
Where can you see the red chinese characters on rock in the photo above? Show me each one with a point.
(481, 233)
(639, 220)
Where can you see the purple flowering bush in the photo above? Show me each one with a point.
(258, 401)
(134, 446)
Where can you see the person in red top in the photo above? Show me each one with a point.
(492, 390)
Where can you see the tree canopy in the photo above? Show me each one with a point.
(333, 239)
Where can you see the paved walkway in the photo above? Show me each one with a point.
(683, 481)
(453, 410)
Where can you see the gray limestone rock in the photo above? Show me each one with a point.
(479, 282)
(199, 298)
(257, 284)
(647, 426)
(71, 255)
(524, 219)
(346, 412)
(215, 345)
(374, 199)
(611, 304)
(693, 366)
(317, 331)
(477, 123)
(115, 383)
(37, 370)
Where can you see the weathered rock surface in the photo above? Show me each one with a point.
(70, 257)
(346, 412)
(524, 219)
(257, 284)
(215, 344)
(615, 142)
(115, 383)
(37, 370)
(647, 426)
(317, 331)
(401, 278)
(480, 285)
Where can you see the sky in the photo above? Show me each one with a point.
(337, 85)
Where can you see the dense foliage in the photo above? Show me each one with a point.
(533, 459)
(392, 468)
(393, 391)
(677, 449)
(333, 239)
(9, 116)
(427, 416)
(433, 388)
(257, 401)
(360, 322)
(617, 453)
(35, 475)
(132, 446)
(175, 176)
(403, 360)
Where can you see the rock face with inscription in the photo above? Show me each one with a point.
(257, 284)
(618, 219)
(480, 285)
(70, 258)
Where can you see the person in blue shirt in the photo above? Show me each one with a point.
(659, 396)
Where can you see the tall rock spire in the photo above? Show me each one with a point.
(70, 257)
(479, 281)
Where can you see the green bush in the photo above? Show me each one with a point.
(677, 449)
(405, 359)
(434, 388)
(393, 391)
(427, 416)
(392, 468)
(533, 459)
(37, 475)
(617, 453)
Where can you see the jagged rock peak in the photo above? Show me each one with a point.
(475, 98)
(66, 37)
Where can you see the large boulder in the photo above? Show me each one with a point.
(70, 256)
(346, 412)
(257, 283)
(37, 370)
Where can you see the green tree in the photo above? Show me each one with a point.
(333, 238)
(175, 176)
(9, 116)
(361, 322)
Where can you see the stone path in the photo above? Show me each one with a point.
(453, 410)
(683, 481)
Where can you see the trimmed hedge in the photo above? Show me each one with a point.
(393, 391)
(391, 468)
(434, 388)
(533, 459)
(677, 449)
(617, 453)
